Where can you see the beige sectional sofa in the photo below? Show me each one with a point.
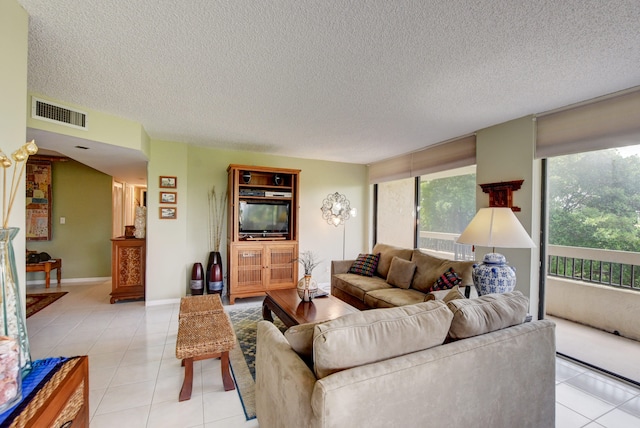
(390, 368)
(382, 289)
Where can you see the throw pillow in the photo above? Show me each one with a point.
(365, 264)
(429, 268)
(445, 295)
(300, 338)
(387, 253)
(453, 294)
(472, 317)
(378, 334)
(401, 272)
(446, 281)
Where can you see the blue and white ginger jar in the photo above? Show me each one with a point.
(494, 275)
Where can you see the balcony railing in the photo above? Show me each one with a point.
(619, 269)
(445, 244)
(607, 267)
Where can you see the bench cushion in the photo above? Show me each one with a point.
(203, 335)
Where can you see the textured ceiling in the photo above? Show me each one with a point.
(354, 81)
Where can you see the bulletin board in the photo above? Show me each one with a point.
(38, 200)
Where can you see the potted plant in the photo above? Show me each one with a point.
(307, 286)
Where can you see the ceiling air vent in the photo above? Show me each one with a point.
(56, 113)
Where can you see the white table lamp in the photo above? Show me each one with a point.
(495, 227)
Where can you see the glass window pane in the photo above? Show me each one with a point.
(594, 199)
(447, 205)
(396, 212)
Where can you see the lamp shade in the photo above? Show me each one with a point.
(496, 227)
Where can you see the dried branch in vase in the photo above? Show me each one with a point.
(308, 261)
(216, 218)
(20, 156)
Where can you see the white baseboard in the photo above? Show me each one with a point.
(161, 302)
(69, 281)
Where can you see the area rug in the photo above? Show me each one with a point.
(38, 301)
(243, 356)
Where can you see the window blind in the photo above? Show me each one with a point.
(441, 157)
(601, 124)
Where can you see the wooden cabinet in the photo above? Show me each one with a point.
(262, 235)
(128, 257)
(264, 266)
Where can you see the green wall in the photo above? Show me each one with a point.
(82, 196)
(14, 37)
(174, 245)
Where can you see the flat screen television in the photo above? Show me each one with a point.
(264, 218)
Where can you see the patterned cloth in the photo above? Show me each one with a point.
(446, 281)
(365, 265)
(41, 372)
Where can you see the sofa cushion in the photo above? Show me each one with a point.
(401, 272)
(379, 334)
(300, 338)
(365, 264)
(392, 297)
(429, 268)
(472, 317)
(446, 281)
(357, 286)
(445, 295)
(387, 252)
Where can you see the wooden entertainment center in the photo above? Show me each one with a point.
(262, 230)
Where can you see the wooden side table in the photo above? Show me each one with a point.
(60, 399)
(47, 267)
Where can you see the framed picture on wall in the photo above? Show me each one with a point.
(38, 200)
(167, 182)
(168, 213)
(168, 197)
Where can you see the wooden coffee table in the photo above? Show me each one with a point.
(287, 306)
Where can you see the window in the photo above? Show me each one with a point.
(396, 212)
(447, 205)
(594, 204)
(594, 200)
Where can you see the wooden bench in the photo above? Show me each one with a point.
(204, 331)
(47, 267)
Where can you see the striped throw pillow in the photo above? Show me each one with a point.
(365, 265)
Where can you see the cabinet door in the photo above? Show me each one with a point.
(282, 266)
(249, 268)
(129, 265)
(127, 269)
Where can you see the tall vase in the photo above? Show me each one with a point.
(140, 222)
(307, 288)
(215, 280)
(12, 320)
(197, 280)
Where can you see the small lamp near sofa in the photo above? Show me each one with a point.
(495, 227)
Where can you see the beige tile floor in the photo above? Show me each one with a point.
(134, 376)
